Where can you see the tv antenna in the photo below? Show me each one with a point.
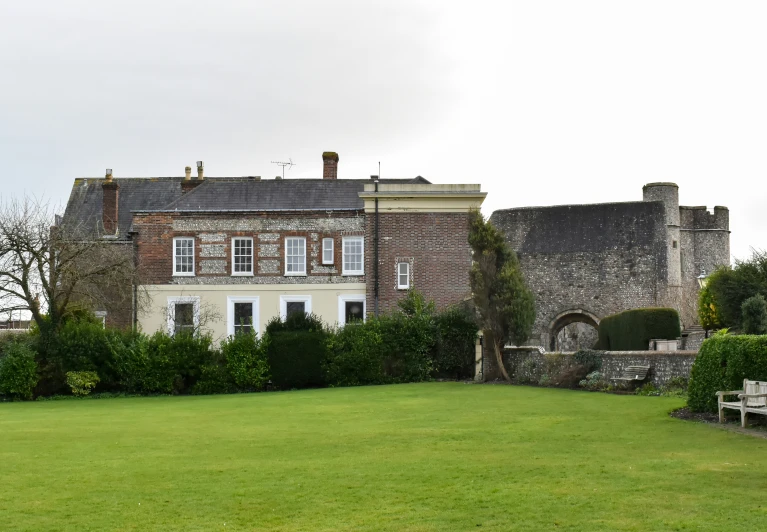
(290, 164)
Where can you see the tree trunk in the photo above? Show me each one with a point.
(498, 347)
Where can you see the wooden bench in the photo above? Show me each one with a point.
(753, 400)
(634, 373)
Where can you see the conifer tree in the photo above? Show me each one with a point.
(505, 304)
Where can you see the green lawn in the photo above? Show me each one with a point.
(437, 456)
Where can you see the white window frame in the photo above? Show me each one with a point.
(298, 274)
(344, 271)
(348, 298)
(101, 315)
(399, 285)
(284, 300)
(252, 253)
(230, 301)
(325, 248)
(172, 301)
(175, 272)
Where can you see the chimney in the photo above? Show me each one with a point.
(188, 184)
(111, 192)
(330, 165)
(200, 176)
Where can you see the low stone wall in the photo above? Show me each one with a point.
(528, 365)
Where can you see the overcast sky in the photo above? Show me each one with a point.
(542, 102)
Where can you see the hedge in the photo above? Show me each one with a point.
(632, 330)
(721, 365)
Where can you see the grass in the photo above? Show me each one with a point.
(436, 456)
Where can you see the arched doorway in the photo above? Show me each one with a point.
(572, 330)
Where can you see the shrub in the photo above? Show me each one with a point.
(214, 378)
(407, 345)
(355, 355)
(296, 350)
(82, 382)
(594, 381)
(722, 364)
(755, 315)
(456, 337)
(245, 357)
(731, 287)
(18, 371)
(632, 330)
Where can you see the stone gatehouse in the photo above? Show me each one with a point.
(585, 262)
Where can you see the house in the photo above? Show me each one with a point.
(230, 253)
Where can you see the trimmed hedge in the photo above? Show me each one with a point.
(722, 363)
(632, 330)
(18, 371)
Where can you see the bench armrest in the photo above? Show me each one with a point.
(736, 392)
(741, 395)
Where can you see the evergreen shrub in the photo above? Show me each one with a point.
(296, 351)
(632, 330)
(454, 352)
(18, 371)
(755, 315)
(355, 355)
(721, 365)
(245, 358)
(82, 382)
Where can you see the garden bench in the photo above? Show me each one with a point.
(753, 400)
(634, 373)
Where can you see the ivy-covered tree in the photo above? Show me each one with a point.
(505, 304)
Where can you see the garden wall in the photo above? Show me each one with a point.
(529, 365)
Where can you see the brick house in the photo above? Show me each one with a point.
(228, 253)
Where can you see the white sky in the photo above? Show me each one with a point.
(542, 102)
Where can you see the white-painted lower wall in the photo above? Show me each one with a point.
(326, 301)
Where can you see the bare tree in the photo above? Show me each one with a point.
(47, 269)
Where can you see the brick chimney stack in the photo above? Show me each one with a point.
(330, 165)
(111, 191)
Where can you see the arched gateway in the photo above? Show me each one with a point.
(569, 317)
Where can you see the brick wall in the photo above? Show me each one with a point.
(435, 244)
(213, 235)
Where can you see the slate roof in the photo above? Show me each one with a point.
(222, 194)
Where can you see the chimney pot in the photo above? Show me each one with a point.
(200, 175)
(187, 173)
(108, 175)
(329, 165)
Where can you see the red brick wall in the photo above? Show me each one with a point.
(155, 235)
(437, 246)
(109, 213)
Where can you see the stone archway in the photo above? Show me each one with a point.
(572, 323)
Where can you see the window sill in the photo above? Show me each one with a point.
(177, 274)
(328, 263)
(242, 274)
(292, 274)
(353, 274)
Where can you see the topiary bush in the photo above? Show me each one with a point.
(632, 330)
(18, 371)
(456, 337)
(755, 315)
(721, 365)
(296, 351)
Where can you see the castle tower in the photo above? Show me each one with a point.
(670, 287)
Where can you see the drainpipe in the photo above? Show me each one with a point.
(375, 264)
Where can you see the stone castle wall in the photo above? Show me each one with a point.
(602, 258)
